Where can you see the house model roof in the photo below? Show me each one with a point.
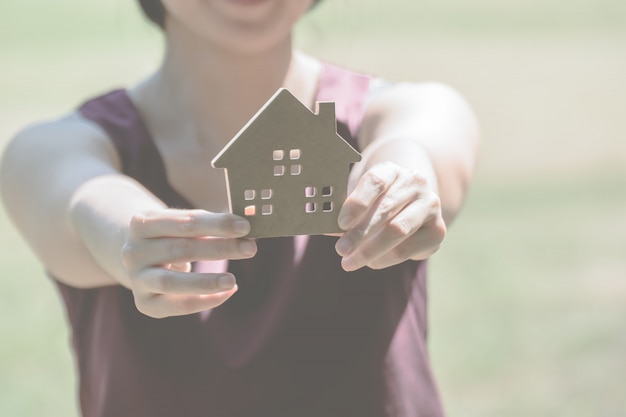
(287, 168)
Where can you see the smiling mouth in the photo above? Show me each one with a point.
(247, 2)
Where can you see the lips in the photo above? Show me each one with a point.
(247, 2)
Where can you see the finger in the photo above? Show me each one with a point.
(166, 281)
(160, 306)
(370, 186)
(420, 246)
(404, 225)
(402, 193)
(188, 223)
(396, 231)
(166, 251)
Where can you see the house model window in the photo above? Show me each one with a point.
(301, 187)
(323, 199)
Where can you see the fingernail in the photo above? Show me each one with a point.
(247, 247)
(348, 265)
(344, 246)
(226, 282)
(242, 226)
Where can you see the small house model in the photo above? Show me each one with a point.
(287, 169)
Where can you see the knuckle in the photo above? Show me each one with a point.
(187, 225)
(137, 222)
(181, 247)
(418, 180)
(377, 180)
(191, 222)
(413, 193)
(129, 254)
(400, 228)
(435, 203)
(386, 207)
(162, 281)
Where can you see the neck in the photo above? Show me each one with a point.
(209, 92)
(211, 78)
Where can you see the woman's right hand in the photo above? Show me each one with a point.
(158, 252)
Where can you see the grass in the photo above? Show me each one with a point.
(527, 295)
(527, 301)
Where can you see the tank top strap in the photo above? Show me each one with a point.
(119, 118)
(349, 90)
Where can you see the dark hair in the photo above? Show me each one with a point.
(154, 10)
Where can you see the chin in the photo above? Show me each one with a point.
(250, 38)
(239, 26)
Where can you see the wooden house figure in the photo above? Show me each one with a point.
(287, 169)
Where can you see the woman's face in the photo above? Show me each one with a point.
(237, 25)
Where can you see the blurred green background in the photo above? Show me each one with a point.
(528, 293)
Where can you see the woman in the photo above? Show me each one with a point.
(126, 213)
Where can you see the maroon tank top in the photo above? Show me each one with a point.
(300, 338)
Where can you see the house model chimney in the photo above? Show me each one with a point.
(326, 111)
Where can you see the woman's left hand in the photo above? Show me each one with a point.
(392, 215)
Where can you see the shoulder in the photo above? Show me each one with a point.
(70, 135)
(415, 97)
(53, 155)
(392, 108)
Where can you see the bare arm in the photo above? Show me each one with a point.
(92, 226)
(436, 119)
(42, 168)
(420, 143)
